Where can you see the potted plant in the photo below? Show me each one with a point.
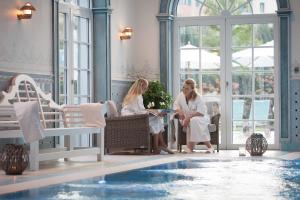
(156, 96)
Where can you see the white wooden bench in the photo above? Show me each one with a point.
(65, 122)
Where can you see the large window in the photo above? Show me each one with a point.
(75, 66)
(75, 56)
(228, 47)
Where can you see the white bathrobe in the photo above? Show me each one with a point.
(197, 130)
(137, 107)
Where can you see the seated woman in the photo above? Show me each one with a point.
(133, 104)
(192, 114)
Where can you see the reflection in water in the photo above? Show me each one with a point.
(215, 179)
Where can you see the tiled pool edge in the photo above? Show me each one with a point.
(43, 182)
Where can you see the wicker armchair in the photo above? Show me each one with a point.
(214, 135)
(127, 132)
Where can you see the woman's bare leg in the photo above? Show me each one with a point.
(155, 143)
(191, 145)
(208, 144)
(163, 145)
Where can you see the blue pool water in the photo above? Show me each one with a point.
(189, 179)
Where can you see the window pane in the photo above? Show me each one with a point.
(75, 30)
(61, 26)
(83, 100)
(210, 84)
(264, 58)
(74, 2)
(62, 100)
(210, 60)
(264, 108)
(211, 8)
(264, 7)
(84, 56)
(84, 30)
(62, 81)
(267, 129)
(242, 9)
(241, 131)
(84, 82)
(75, 82)
(241, 83)
(241, 59)
(264, 83)
(263, 34)
(84, 3)
(75, 100)
(75, 55)
(189, 36)
(241, 108)
(62, 54)
(189, 59)
(242, 35)
(210, 36)
(190, 8)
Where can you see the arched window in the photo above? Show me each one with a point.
(192, 8)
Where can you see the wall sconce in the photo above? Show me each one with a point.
(126, 33)
(26, 11)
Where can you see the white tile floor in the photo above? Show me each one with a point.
(53, 172)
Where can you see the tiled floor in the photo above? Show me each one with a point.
(53, 172)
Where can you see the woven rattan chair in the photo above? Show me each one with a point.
(127, 132)
(214, 135)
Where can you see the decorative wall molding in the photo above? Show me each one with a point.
(119, 90)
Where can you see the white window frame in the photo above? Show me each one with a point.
(72, 10)
(225, 72)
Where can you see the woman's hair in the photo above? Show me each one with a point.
(190, 82)
(136, 89)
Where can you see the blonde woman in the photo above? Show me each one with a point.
(133, 104)
(192, 114)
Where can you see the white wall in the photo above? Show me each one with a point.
(26, 45)
(295, 36)
(138, 56)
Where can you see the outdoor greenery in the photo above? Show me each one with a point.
(242, 34)
(156, 96)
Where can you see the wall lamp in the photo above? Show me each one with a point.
(26, 11)
(126, 33)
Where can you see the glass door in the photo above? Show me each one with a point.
(232, 61)
(251, 94)
(75, 67)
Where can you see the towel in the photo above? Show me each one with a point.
(93, 114)
(29, 119)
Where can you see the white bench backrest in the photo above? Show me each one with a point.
(23, 88)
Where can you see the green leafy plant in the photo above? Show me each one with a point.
(156, 96)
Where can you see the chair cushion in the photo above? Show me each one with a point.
(112, 109)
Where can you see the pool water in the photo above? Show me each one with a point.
(251, 178)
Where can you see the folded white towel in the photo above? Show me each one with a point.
(29, 119)
(93, 114)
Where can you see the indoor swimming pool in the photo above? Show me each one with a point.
(240, 178)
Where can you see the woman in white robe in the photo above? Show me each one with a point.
(133, 104)
(193, 116)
